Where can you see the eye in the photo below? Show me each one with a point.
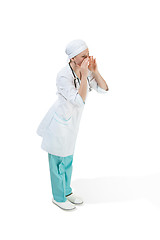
(84, 56)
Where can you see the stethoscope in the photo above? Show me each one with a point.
(77, 80)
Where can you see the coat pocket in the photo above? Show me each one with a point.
(63, 113)
(61, 119)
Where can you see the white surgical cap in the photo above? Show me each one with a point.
(75, 47)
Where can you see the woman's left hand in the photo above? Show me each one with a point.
(92, 64)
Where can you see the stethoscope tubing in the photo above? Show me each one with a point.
(76, 78)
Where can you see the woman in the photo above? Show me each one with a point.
(60, 125)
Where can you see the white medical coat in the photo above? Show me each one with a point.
(59, 127)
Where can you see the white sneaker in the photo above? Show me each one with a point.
(74, 199)
(67, 205)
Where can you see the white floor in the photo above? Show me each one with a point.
(115, 207)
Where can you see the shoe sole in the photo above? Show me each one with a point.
(64, 208)
(76, 203)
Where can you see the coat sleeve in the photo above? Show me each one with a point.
(95, 85)
(67, 89)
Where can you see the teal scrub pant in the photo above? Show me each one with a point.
(60, 175)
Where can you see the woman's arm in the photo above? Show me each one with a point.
(101, 82)
(83, 88)
(67, 89)
(84, 72)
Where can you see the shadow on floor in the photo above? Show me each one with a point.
(116, 189)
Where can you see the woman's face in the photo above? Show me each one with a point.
(81, 56)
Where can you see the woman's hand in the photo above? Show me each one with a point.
(92, 64)
(83, 68)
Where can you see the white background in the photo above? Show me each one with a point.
(116, 167)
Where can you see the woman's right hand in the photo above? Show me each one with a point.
(83, 68)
